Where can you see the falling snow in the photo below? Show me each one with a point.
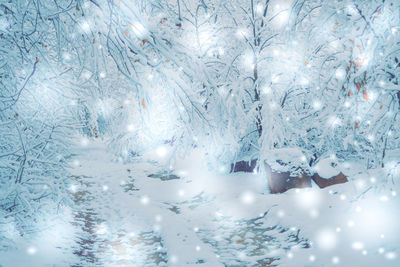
(123, 127)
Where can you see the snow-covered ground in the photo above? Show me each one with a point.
(153, 212)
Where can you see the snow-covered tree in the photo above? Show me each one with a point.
(247, 79)
(38, 107)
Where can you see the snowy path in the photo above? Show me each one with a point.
(138, 214)
(129, 218)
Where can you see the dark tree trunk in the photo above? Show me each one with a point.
(280, 182)
(244, 166)
(322, 182)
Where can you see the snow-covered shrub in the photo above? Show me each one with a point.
(38, 106)
(244, 78)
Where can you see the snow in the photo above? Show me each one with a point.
(211, 221)
(325, 168)
(148, 105)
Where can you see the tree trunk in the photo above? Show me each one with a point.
(244, 166)
(323, 182)
(280, 182)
